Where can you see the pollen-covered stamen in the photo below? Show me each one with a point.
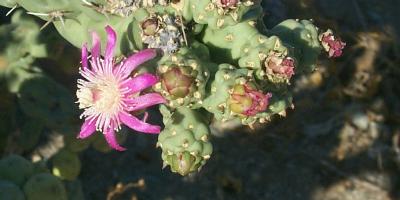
(101, 95)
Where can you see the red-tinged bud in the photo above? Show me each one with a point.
(334, 46)
(228, 3)
(246, 100)
(177, 82)
(278, 66)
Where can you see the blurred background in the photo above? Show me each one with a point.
(341, 142)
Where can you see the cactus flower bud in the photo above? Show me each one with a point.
(183, 163)
(150, 26)
(246, 100)
(334, 46)
(177, 82)
(227, 3)
(275, 65)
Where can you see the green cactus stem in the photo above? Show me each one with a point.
(15, 169)
(185, 141)
(219, 13)
(183, 78)
(45, 100)
(234, 94)
(30, 133)
(75, 145)
(303, 37)
(44, 186)
(66, 165)
(10, 191)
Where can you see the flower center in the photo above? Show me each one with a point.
(103, 97)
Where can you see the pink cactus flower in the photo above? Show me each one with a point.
(108, 93)
(334, 46)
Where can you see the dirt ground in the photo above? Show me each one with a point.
(337, 144)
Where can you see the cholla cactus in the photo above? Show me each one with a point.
(216, 63)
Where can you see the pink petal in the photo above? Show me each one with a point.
(144, 101)
(112, 140)
(136, 59)
(111, 39)
(141, 82)
(87, 129)
(84, 57)
(135, 124)
(95, 45)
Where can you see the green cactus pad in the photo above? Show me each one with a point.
(10, 191)
(303, 36)
(184, 141)
(44, 186)
(8, 3)
(74, 144)
(16, 169)
(74, 190)
(215, 16)
(7, 115)
(18, 73)
(228, 44)
(66, 165)
(30, 133)
(43, 99)
(226, 80)
(20, 38)
(40, 167)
